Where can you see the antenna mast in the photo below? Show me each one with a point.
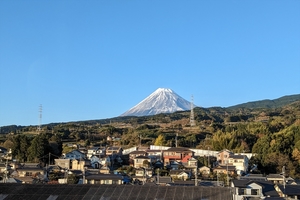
(192, 118)
(40, 118)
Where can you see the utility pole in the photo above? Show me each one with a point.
(227, 173)
(192, 118)
(196, 174)
(208, 163)
(283, 176)
(158, 176)
(40, 118)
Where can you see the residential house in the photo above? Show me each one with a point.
(241, 163)
(204, 171)
(10, 180)
(158, 165)
(30, 171)
(3, 153)
(175, 165)
(288, 191)
(104, 170)
(103, 179)
(225, 169)
(244, 189)
(190, 162)
(134, 154)
(154, 154)
(4, 167)
(80, 164)
(163, 180)
(254, 177)
(276, 178)
(96, 151)
(114, 150)
(95, 162)
(63, 163)
(82, 149)
(75, 154)
(141, 161)
(105, 161)
(223, 156)
(142, 174)
(181, 174)
(176, 154)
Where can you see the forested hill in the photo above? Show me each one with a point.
(271, 133)
(267, 103)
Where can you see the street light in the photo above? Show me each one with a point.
(227, 173)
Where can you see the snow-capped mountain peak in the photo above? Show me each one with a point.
(162, 100)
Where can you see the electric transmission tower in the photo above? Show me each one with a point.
(192, 117)
(40, 118)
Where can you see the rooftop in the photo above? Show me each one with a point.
(64, 191)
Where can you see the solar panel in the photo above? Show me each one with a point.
(92, 190)
(87, 197)
(116, 194)
(42, 196)
(96, 197)
(153, 192)
(135, 192)
(66, 191)
(161, 193)
(109, 190)
(170, 193)
(179, 192)
(126, 192)
(144, 191)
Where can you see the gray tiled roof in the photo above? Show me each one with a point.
(112, 192)
(290, 189)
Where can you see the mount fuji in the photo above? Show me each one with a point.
(162, 100)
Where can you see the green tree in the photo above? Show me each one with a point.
(72, 179)
(39, 148)
(21, 143)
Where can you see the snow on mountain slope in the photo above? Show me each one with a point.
(162, 100)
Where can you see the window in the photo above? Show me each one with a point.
(254, 192)
(241, 191)
(28, 173)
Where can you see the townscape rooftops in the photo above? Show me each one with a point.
(142, 157)
(154, 151)
(290, 189)
(267, 186)
(114, 148)
(138, 152)
(274, 176)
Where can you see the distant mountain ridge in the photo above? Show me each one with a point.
(162, 100)
(267, 103)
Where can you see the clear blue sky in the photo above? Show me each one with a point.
(86, 60)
